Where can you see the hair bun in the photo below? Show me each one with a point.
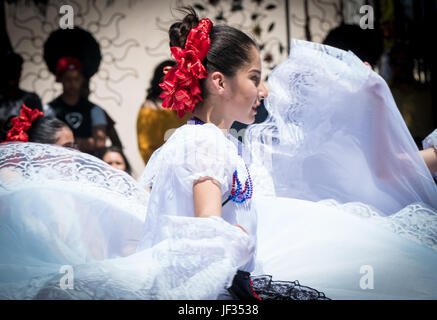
(178, 31)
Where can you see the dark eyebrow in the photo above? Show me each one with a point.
(256, 71)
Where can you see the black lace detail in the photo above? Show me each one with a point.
(267, 289)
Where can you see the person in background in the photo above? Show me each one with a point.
(11, 96)
(87, 120)
(33, 126)
(115, 157)
(155, 124)
(111, 132)
(412, 97)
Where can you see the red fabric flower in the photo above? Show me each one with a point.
(22, 123)
(181, 88)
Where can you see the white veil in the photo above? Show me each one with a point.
(334, 132)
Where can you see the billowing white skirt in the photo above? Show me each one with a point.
(349, 251)
(70, 225)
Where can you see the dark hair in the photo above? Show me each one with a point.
(100, 154)
(44, 130)
(155, 90)
(406, 53)
(11, 62)
(230, 47)
(10, 65)
(365, 43)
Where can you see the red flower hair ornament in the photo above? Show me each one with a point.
(181, 88)
(22, 123)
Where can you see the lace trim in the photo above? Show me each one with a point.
(34, 165)
(267, 289)
(417, 222)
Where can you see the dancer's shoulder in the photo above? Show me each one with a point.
(206, 133)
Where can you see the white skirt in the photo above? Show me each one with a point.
(70, 225)
(349, 251)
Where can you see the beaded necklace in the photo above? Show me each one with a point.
(238, 194)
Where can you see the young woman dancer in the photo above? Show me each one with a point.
(209, 222)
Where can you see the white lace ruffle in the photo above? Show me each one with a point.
(417, 222)
(326, 245)
(33, 165)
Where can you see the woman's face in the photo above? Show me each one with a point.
(246, 90)
(115, 160)
(65, 138)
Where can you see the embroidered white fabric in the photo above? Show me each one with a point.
(33, 164)
(416, 222)
(61, 207)
(334, 132)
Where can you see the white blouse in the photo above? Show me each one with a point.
(192, 152)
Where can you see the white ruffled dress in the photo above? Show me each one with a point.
(346, 251)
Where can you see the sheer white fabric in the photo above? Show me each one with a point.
(321, 244)
(61, 207)
(349, 251)
(334, 126)
(350, 189)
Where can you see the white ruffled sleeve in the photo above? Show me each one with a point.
(203, 151)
